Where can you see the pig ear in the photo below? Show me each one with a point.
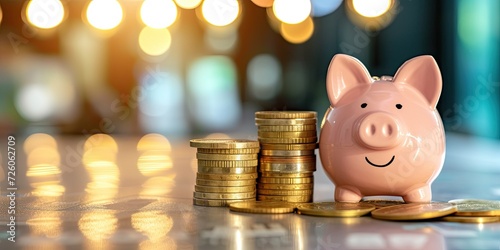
(344, 73)
(422, 73)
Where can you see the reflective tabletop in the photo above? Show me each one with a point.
(128, 192)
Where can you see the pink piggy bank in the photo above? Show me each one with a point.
(382, 137)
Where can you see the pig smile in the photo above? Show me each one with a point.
(380, 166)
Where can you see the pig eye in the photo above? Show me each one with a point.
(399, 106)
(364, 105)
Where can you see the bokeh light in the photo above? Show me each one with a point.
(221, 41)
(292, 11)
(188, 4)
(213, 90)
(35, 102)
(1, 14)
(264, 76)
(45, 14)
(372, 8)
(324, 7)
(298, 33)
(154, 142)
(163, 109)
(98, 226)
(154, 42)
(104, 14)
(220, 12)
(37, 140)
(263, 3)
(158, 14)
(100, 141)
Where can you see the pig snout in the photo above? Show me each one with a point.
(379, 130)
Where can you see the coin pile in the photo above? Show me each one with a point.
(287, 161)
(227, 171)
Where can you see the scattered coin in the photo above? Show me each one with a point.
(477, 208)
(262, 207)
(335, 209)
(469, 219)
(383, 203)
(415, 211)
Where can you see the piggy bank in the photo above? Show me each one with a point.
(382, 136)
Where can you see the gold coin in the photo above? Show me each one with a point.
(212, 189)
(290, 159)
(286, 122)
(235, 170)
(218, 183)
(219, 157)
(227, 164)
(335, 209)
(382, 203)
(223, 143)
(288, 140)
(260, 207)
(477, 208)
(288, 198)
(415, 211)
(288, 167)
(224, 196)
(226, 177)
(303, 146)
(286, 175)
(216, 203)
(468, 219)
(285, 114)
(293, 134)
(285, 180)
(285, 192)
(285, 186)
(286, 153)
(228, 151)
(287, 128)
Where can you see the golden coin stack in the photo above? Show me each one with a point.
(227, 171)
(288, 140)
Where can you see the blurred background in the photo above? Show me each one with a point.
(186, 67)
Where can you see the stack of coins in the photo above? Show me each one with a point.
(288, 140)
(227, 171)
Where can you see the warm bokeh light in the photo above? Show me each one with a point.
(43, 161)
(47, 223)
(188, 4)
(221, 42)
(101, 141)
(298, 33)
(37, 140)
(153, 224)
(98, 225)
(154, 42)
(104, 14)
(158, 186)
(273, 21)
(220, 12)
(154, 162)
(1, 14)
(263, 3)
(45, 14)
(158, 14)
(154, 142)
(371, 8)
(292, 11)
(35, 102)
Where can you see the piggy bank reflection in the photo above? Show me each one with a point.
(383, 136)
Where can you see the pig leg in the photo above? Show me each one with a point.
(421, 194)
(343, 194)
